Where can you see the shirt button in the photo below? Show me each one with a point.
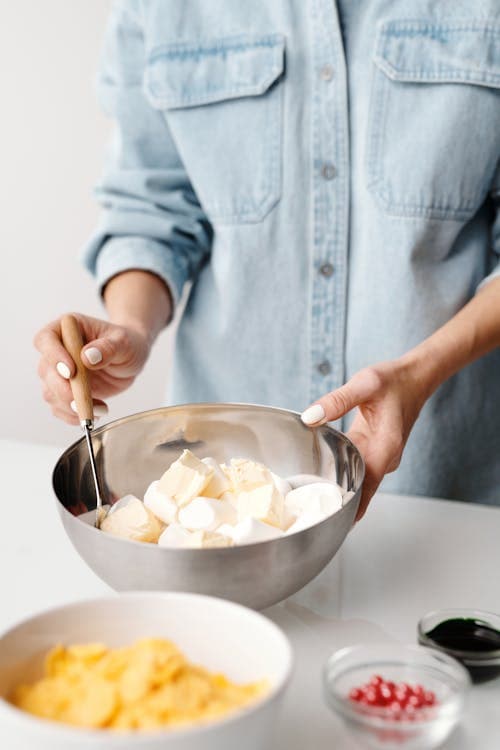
(324, 368)
(326, 73)
(326, 269)
(328, 171)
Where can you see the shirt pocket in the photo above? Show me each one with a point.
(434, 123)
(222, 99)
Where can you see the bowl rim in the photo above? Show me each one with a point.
(377, 716)
(206, 404)
(115, 739)
(471, 658)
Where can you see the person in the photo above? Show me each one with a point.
(323, 178)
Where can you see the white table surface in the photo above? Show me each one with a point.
(408, 556)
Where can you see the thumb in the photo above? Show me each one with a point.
(362, 386)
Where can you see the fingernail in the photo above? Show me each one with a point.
(73, 407)
(63, 370)
(313, 414)
(93, 355)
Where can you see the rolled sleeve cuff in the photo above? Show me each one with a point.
(119, 254)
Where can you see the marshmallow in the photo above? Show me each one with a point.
(185, 479)
(219, 483)
(175, 536)
(206, 513)
(133, 521)
(250, 530)
(305, 521)
(347, 496)
(162, 506)
(299, 480)
(320, 498)
(264, 503)
(281, 485)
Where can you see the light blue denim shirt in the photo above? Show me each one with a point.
(326, 176)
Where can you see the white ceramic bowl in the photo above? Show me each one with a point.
(217, 634)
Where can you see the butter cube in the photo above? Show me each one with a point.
(162, 506)
(206, 513)
(185, 479)
(246, 475)
(133, 521)
(219, 483)
(209, 539)
(264, 503)
(176, 536)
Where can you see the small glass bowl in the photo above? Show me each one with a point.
(374, 726)
(481, 665)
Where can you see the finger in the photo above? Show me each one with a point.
(362, 386)
(377, 457)
(100, 408)
(112, 349)
(66, 416)
(376, 467)
(57, 385)
(48, 342)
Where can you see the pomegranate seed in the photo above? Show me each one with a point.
(371, 697)
(415, 701)
(429, 698)
(402, 701)
(355, 694)
(401, 696)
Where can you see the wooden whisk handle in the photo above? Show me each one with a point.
(72, 340)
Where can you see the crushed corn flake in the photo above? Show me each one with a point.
(146, 686)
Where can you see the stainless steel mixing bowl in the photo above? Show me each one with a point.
(133, 451)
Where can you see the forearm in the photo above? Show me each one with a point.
(139, 300)
(471, 333)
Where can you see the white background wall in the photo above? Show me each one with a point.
(52, 140)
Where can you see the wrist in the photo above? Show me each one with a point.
(426, 367)
(140, 301)
(136, 327)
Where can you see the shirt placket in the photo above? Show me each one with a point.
(330, 200)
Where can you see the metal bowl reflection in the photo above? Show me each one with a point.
(133, 451)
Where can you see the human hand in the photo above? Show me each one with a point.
(389, 397)
(114, 355)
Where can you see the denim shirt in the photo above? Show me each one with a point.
(325, 177)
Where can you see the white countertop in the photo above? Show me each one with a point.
(408, 556)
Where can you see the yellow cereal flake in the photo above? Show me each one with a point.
(146, 686)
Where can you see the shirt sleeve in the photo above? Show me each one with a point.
(151, 218)
(494, 260)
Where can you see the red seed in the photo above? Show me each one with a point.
(415, 701)
(371, 697)
(401, 700)
(355, 694)
(401, 696)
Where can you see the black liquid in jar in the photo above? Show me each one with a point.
(476, 638)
